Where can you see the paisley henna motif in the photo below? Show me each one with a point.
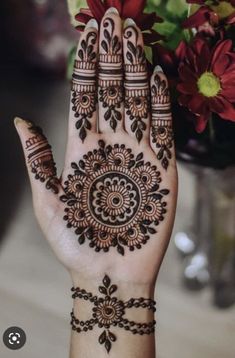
(114, 199)
(136, 83)
(162, 133)
(110, 311)
(84, 97)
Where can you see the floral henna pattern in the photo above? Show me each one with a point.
(84, 85)
(110, 66)
(114, 199)
(110, 311)
(162, 133)
(136, 84)
(40, 159)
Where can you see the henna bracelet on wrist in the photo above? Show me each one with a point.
(110, 311)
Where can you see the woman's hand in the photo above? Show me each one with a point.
(112, 210)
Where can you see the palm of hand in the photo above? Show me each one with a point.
(113, 208)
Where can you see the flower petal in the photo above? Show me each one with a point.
(231, 19)
(187, 87)
(228, 92)
(228, 109)
(133, 8)
(220, 61)
(84, 18)
(201, 122)
(114, 3)
(146, 21)
(97, 8)
(197, 103)
(201, 16)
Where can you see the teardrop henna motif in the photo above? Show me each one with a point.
(110, 311)
(114, 199)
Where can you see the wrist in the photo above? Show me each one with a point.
(114, 309)
(126, 288)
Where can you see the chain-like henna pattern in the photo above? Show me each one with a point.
(110, 311)
(114, 199)
(136, 83)
(40, 159)
(162, 133)
(84, 97)
(111, 75)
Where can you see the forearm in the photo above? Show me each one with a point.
(129, 332)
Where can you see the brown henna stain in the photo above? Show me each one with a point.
(109, 311)
(114, 199)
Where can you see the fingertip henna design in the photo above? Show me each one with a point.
(136, 83)
(111, 75)
(84, 97)
(110, 311)
(40, 159)
(162, 133)
(114, 199)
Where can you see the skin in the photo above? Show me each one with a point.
(136, 272)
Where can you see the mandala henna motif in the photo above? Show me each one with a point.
(114, 199)
(110, 311)
(111, 75)
(84, 85)
(136, 83)
(162, 133)
(40, 159)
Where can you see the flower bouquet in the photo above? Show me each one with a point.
(193, 41)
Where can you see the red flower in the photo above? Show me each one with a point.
(216, 13)
(208, 81)
(126, 9)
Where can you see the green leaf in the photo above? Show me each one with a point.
(149, 53)
(177, 7)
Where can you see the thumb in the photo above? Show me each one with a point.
(38, 156)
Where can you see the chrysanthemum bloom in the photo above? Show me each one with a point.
(213, 12)
(127, 9)
(208, 81)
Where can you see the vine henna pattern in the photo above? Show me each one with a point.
(110, 311)
(84, 84)
(110, 64)
(113, 199)
(162, 133)
(40, 159)
(136, 83)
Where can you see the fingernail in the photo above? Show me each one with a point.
(129, 22)
(18, 120)
(112, 10)
(158, 69)
(92, 23)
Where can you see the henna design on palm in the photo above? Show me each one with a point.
(84, 85)
(111, 75)
(110, 311)
(136, 83)
(40, 159)
(114, 199)
(162, 133)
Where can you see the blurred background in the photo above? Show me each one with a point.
(196, 289)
